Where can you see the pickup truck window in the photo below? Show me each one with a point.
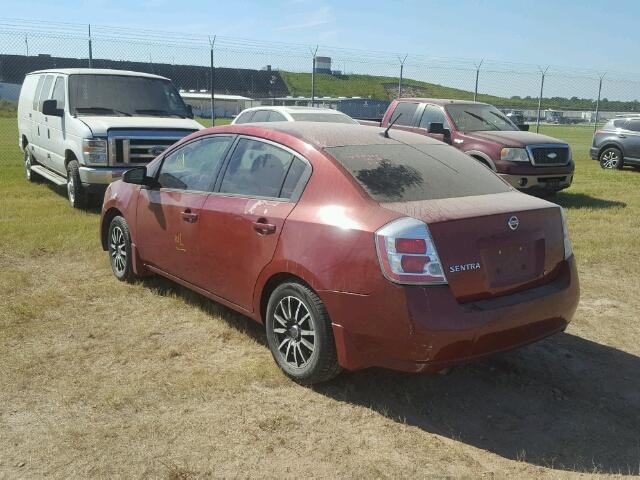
(433, 114)
(407, 110)
(124, 95)
(404, 173)
(479, 117)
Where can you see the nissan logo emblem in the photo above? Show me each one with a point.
(513, 223)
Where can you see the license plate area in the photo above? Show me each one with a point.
(509, 264)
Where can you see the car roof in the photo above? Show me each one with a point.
(97, 71)
(440, 101)
(326, 135)
(293, 109)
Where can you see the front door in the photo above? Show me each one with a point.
(55, 127)
(169, 217)
(40, 140)
(433, 114)
(631, 138)
(242, 221)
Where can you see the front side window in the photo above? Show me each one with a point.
(406, 112)
(633, 125)
(46, 89)
(256, 169)
(124, 95)
(433, 114)
(479, 117)
(195, 165)
(58, 93)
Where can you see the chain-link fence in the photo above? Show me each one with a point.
(243, 73)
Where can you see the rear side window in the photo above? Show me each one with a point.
(46, 88)
(36, 97)
(261, 116)
(407, 111)
(633, 125)
(256, 169)
(245, 117)
(58, 92)
(276, 117)
(404, 173)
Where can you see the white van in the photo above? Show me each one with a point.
(85, 127)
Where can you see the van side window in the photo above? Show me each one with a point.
(407, 110)
(36, 96)
(256, 169)
(58, 93)
(46, 89)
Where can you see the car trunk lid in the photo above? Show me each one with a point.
(492, 245)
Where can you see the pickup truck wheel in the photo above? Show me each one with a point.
(299, 334)
(119, 243)
(611, 158)
(77, 195)
(28, 163)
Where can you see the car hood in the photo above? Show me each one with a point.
(516, 138)
(99, 125)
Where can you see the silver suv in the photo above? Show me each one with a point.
(618, 143)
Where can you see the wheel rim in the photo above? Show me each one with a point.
(71, 189)
(610, 159)
(118, 250)
(27, 164)
(294, 332)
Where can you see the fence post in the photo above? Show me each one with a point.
(313, 76)
(543, 72)
(475, 92)
(595, 121)
(212, 81)
(26, 42)
(401, 72)
(90, 49)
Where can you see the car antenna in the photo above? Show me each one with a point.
(391, 123)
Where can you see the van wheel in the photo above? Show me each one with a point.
(77, 195)
(299, 334)
(119, 243)
(28, 163)
(611, 158)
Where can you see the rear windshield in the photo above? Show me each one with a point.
(322, 117)
(405, 173)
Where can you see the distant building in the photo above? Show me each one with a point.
(323, 65)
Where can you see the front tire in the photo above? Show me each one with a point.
(75, 192)
(611, 159)
(119, 248)
(299, 334)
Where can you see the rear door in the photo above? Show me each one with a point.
(169, 217)
(241, 222)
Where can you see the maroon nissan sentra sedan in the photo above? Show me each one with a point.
(353, 248)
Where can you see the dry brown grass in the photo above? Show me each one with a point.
(109, 380)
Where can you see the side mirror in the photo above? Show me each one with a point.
(50, 108)
(436, 128)
(189, 111)
(138, 176)
(524, 127)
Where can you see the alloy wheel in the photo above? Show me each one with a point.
(27, 164)
(610, 159)
(118, 250)
(71, 191)
(294, 330)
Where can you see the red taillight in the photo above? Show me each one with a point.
(408, 254)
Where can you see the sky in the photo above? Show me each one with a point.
(596, 35)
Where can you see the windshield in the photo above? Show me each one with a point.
(322, 117)
(404, 173)
(475, 118)
(121, 95)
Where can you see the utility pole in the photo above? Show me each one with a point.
(401, 72)
(475, 92)
(26, 42)
(595, 121)
(313, 77)
(212, 82)
(90, 49)
(544, 73)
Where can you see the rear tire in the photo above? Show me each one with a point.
(299, 334)
(611, 159)
(119, 248)
(77, 195)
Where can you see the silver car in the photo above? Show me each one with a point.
(618, 143)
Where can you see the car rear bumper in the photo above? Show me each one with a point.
(418, 329)
(539, 182)
(101, 175)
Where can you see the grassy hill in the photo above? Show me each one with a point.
(386, 88)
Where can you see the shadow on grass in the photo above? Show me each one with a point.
(580, 200)
(565, 403)
(96, 199)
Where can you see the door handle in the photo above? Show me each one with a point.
(189, 217)
(622, 135)
(262, 227)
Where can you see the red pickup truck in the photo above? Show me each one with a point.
(531, 162)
